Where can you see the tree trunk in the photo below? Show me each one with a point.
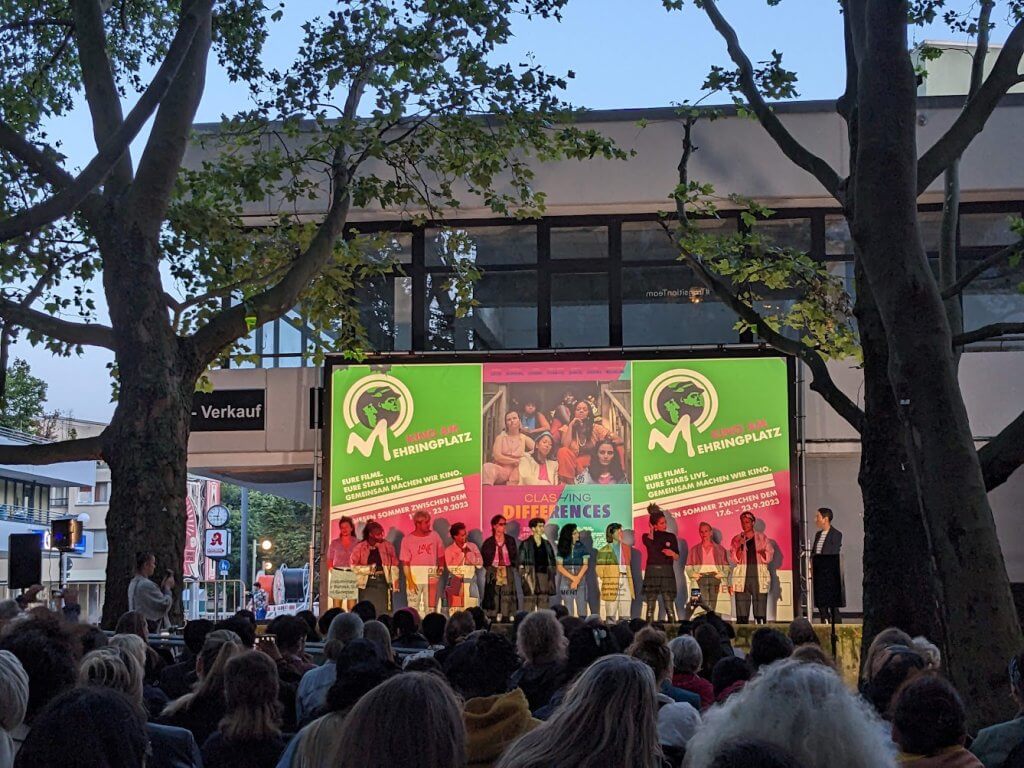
(146, 444)
(972, 579)
(899, 576)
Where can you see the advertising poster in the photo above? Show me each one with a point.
(558, 445)
(403, 438)
(713, 438)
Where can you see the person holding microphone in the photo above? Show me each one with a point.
(145, 597)
(752, 551)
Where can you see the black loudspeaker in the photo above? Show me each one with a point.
(829, 590)
(26, 560)
(65, 534)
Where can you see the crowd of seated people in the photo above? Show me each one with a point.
(447, 692)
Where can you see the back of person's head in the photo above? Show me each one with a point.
(356, 679)
(481, 666)
(460, 626)
(114, 668)
(91, 638)
(928, 716)
(929, 652)
(710, 643)
(133, 644)
(365, 610)
(433, 628)
(893, 666)
(323, 624)
(636, 624)
(49, 652)
(728, 671)
(381, 718)
(86, 728)
(345, 628)
(651, 647)
(291, 632)
(570, 624)
(245, 613)
(560, 611)
(242, 627)
(310, 618)
(809, 653)
(592, 721)
(753, 753)
(9, 609)
(423, 663)
(218, 648)
(405, 622)
(805, 708)
(802, 631)
(378, 634)
(479, 617)
(540, 639)
(132, 623)
(195, 633)
(13, 692)
(687, 657)
(587, 645)
(887, 637)
(250, 691)
(621, 634)
(769, 645)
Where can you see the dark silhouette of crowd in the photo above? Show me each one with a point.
(446, 692)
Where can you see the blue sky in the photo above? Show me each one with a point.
(625, 53)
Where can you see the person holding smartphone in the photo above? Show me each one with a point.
(144, 596)
(707, 567)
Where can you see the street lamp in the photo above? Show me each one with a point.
(267, 566)
(266, 545)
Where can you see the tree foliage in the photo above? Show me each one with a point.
(24, 400)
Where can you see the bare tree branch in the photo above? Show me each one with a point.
(86, 334)
(1003, 454)
(150, 194)
(83, 449)
(791, 148)
(976, 112)
(991, 331)
(981, 267)
(72, 195)
(33, 158)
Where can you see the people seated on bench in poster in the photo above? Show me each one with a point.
(534, 422)
(339, 555)
(537, 567)
(614, 578)
(707, 566)
(500, 558)
(376, 566)
(577, 439)
(605, 466)
(538, 467)
(422, 559)
(509, 447)
(752, 551)
(461, 559)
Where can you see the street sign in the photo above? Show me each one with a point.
(223, 567)
(218, 543)
(229, 410)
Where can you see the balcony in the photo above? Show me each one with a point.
(17, 514)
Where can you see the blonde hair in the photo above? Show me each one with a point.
(611, 710)
(540, 638)
(381, 719)
(378, 634)
(134, 644)
(220, 646)
(250, 690)
(651, 647)
(887, 637)
(116, 668)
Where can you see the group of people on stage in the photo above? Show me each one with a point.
(570, 448)
(446, 576)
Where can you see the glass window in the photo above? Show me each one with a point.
(102, 494)
(504, 316)
(579, 309)
(994, 297)
(385, 310)
(668, 306)
(85, 494)
(381, 246)
(289, 336)
(986, 229)
(269, 334)
(59, 496)
(786, 233)
(485, 246)
(838, 241)
(930, 224)
(579, 243)
(844, 271)
(647, 241)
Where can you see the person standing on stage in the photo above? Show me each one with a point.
(660, 578)
(537, 567)
(573, 561)
(339, 555)
(500, 559)
(707, 566)
(422, 558)
(827, 541)
(376, 566)
(461, 559)
(613, 574)
(752, 551)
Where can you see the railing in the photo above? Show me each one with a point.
(17, 514)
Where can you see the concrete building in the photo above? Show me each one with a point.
(597, 272)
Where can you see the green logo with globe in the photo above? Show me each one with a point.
(675, 403)
(377, 407)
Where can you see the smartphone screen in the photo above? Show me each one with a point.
(694, 593)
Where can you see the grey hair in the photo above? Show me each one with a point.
(611, 710)
(381, 720)
(887, 637)
(929, 652)
(540, 638)
(687, 657)
(804, 708)
(344, 628)
(378, 634)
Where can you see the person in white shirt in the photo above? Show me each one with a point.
(707, 566)
(147, 598)
(461, 559)
(422, 558)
